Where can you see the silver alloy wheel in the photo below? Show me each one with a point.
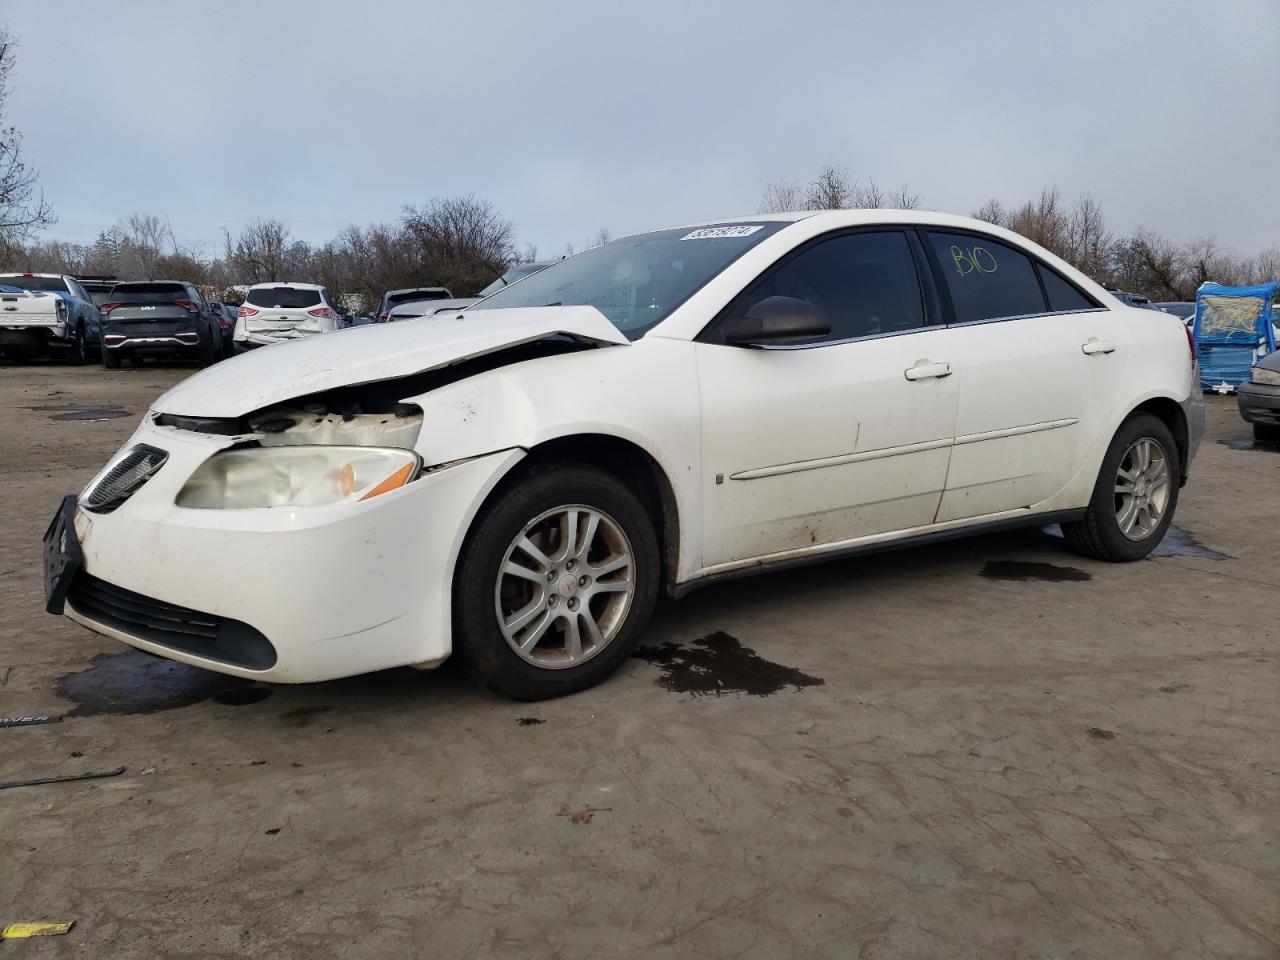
(565, 586)
(1142, 488)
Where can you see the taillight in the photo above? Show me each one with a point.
(246, 312)
(108, 307)
(186, 305)
(223, 325)
(1191, 343)
(382, 318)
(324, 313)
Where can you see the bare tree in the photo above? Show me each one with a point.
(23, 209)
(831, 190)
(602, 236)
(992, 211)
(782, 196)
(463, 241)
(258, 253)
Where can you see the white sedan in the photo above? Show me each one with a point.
(515, 485)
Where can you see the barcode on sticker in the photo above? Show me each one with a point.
(718, 233)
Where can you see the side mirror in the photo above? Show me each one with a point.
(777, 319)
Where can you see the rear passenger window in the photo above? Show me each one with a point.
(1063, 294)
(865, 283)
(987, 279)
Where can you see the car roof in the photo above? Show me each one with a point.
(286, 283)
(28, 273)
(134, 283)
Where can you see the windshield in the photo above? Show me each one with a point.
(54, 284)
(422, 293)
(518, 272)
(289, 298)
(637, 281)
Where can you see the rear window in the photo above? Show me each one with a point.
(148, 292)
(99, 296)
(987, 280)
(283, 297)
(53, 284)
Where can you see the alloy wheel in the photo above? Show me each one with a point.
(1142, 488)
(565, 586)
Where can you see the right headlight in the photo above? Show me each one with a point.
(297, 476)
(1269, 377)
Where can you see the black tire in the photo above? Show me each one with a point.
(77, 353)
(1266, 433)
(478, 639)
(110, 359)
(1098, 534)
(208, 356)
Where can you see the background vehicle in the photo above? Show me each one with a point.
(63, 324)
(1259, 399)
(1134, 299)
(226, 316)
(276, 312)
(653, 414)
(393, 297)
(98, 286)
(408, 309)
(162, 319)
(1182, 309)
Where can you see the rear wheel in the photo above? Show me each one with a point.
(110, 359)
(77, 352)
(555, 583)
(1135, 496)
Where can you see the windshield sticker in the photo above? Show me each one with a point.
(718, 233)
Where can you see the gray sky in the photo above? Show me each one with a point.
(571, 116)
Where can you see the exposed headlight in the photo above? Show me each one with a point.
(298, 476)
(1262, 375)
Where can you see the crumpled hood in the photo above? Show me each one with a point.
(370, 353)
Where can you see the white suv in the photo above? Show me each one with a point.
(275, 312)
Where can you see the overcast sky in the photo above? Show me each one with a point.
(571, 116)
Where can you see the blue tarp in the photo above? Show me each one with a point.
(1232, 329)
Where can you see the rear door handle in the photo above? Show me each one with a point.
(1094, 345)
(926, 369)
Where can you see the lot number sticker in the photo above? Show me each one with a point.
(718, 233)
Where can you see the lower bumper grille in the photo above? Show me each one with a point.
(189, 631)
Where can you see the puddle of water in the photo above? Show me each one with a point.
(136, 682)
(72, 411)
(717, 664)
(1178, 542)
(1263, 445)
(1024, 570)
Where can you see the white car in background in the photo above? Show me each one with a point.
(277, 312)
(412, 309)
(515, 485)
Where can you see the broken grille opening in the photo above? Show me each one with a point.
(124, 479)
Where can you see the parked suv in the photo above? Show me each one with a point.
(275, 312)
(393, 298)
(158, 318)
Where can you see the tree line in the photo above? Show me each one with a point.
(1143, 261)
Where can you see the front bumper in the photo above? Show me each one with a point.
(1259, 403)
(335, 591)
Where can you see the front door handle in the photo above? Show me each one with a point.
(926, 369)
(1094, 345)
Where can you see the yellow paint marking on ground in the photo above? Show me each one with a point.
(15, 931)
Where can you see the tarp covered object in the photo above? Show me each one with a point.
(1232, 329)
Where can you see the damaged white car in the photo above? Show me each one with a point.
(517, 484)
(279, 312)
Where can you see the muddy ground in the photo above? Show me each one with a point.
(991, 748)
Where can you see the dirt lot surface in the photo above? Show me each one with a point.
(991, 748)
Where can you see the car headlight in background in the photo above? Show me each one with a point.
(1262, 375)
(297, 476)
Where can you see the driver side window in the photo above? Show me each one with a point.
(865, 284)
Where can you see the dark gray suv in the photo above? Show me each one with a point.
(165, 319)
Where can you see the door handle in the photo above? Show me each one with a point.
(1094, 345)
(926, 369)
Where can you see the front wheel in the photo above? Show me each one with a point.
(555, 584)
(1135, 496)
(1266, 433)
